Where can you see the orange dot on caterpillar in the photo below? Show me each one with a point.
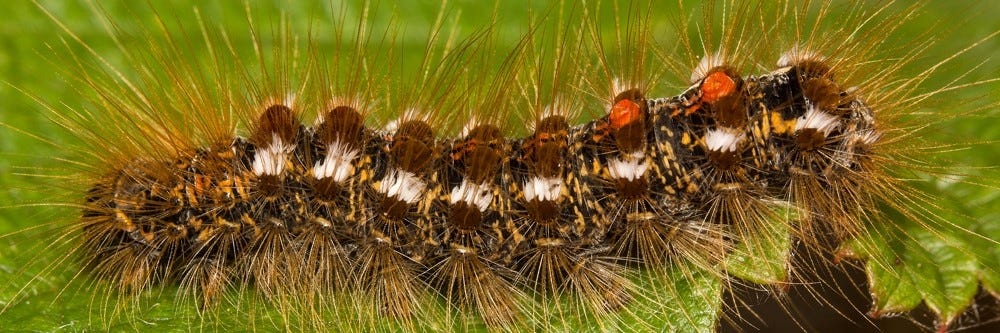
(624, 112)
(717, 85)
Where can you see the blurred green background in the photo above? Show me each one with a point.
(27, 69)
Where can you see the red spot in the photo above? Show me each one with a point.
(624, 112)
(716, 85)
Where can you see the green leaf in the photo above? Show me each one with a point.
(910, 262)
(928, 269)
(892, 293)
(989, 272)
(677, 299)
(763, 256)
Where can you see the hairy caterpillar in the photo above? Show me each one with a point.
(596, 92)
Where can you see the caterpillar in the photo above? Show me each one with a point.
(316, 186)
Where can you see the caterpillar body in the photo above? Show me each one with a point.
(413, 224)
